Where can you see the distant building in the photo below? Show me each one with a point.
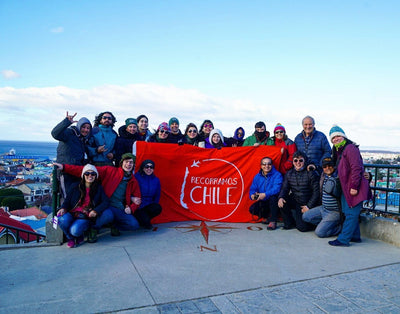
(34, 191)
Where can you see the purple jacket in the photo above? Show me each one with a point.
(351, 175)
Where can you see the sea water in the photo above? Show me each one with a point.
(26, 148)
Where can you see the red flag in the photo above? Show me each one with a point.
(205, 184)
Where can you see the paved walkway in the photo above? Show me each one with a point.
(194, 267)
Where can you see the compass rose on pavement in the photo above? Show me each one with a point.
(205, 229)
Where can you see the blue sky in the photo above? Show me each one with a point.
(235, 62)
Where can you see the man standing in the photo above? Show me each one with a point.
(176, 135)
(313, 144)
(101, 148)
(265, 190)
(259, 137)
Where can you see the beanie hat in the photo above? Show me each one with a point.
(127, 156)
(173, 120)
(130, 121)
(164, 126)
(144, 163)
(336, 131)
(89, 167)
(279, 127)
(328, 161)
(140, 117)
(260, 124)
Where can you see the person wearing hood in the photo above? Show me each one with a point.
(102, 143)
(122, 189)
(72, 145)
(215, 139)
(288, 148)
(161, 135)
(355, 187)
(175, 135)
(265, 190)
(150, 189)
(128, 134)
(259, 137)
(238, 136)
(299, 193)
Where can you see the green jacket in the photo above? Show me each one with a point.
(251, 140)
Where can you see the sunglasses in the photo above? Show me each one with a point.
(279, 132)
(326, 166)
(164, 131)
(92, 174)
(207, 125)
(298, 160)
(266, 164)
(106, 118)
(149, 167)
(192, 131)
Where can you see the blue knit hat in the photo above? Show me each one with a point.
(336, 131)
(173, 120)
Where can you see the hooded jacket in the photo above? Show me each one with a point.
(124, 143)
(72, 145)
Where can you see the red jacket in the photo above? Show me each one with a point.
(289, 148)
(110, 179)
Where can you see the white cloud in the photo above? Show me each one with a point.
(9, 74)
(31, 113)
(57, 30)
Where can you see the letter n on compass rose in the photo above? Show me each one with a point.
(204, 229)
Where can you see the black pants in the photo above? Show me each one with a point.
(293, 217)
(145, 214)
(266, 208)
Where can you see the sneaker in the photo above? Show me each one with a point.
(337, 243)
(71, 243)
(271, 226)
(79, 240)
(356, 240)
(115, 232)
(92, 236)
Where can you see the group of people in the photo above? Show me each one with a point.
(311, 185)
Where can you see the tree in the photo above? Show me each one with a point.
(13, 202)
(10, 192)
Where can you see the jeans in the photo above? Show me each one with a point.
(73, 227)
(351, 227)
(266, 208)
(327, 221)
(105, 218)
(124, 221)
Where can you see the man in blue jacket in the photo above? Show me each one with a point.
(313, 144)
(265, 190)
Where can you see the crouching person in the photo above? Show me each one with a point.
(265, 190)
(119, 185)
(150, 189)
(327, 216)
(85, 205)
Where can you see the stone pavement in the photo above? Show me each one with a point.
(194, 267)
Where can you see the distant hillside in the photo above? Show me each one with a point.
(379, 151)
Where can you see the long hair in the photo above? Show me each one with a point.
(98, 118)
(92, 191)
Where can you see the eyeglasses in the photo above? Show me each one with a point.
(149, 167)
(207, 125)
(239, 133)
(266, 164)
(106, 118)
(326, 166)
(92, 174)
(192, 131)
(164, 131)
(298, 160)
(279, 132)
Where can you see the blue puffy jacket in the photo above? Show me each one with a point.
(269, 184)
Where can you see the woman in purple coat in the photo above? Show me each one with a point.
(355, 187)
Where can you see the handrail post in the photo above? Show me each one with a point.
(55, 192)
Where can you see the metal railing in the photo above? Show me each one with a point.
(18, 232)
(386, 197)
